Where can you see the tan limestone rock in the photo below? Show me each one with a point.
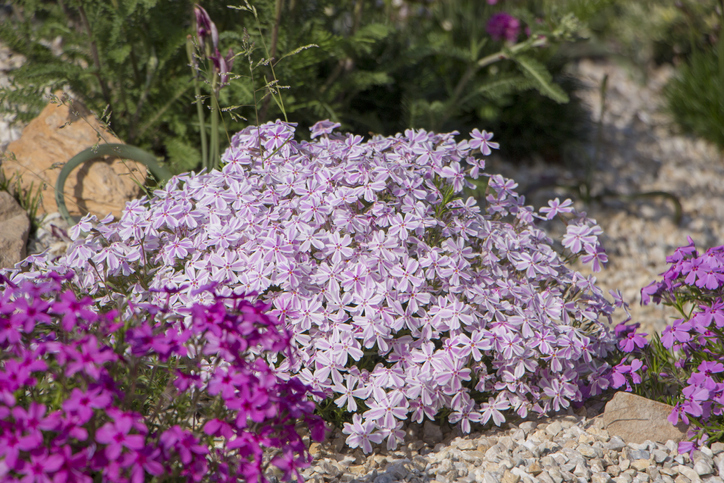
(60, 132)
(14, 229)
(636, 419)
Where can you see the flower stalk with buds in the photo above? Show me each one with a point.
(207, 39)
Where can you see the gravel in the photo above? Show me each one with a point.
(566, 448)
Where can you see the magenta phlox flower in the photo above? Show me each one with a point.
(40, 468)
(13, 442)
(709, 313)
(182, 441)
(361, 434)
(74, 467)
(71, 308)
(694, 396)
(29, 313)
(633, 340)
(144, 461)
(503, 26)
(677, 332)
(83, 403)
(89, 358)
(115, 435)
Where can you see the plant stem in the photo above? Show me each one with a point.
(273, 51)
(199, 107)
(508, 53)
(96, 58)
(214, 154)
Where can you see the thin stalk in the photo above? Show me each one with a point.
(96, 57)
(214, 155)
(199, 108)
(273, 50)
(508, 53)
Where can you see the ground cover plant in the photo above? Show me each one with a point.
(403, 300)
(119, 395)
(684, 366)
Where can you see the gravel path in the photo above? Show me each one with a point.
(566, 448)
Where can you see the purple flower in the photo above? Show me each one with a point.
(205, 28)
(324, 128)
(492, 409)
(555, 207)
(503, 26)
(115, 435)
(632, 340)
(361, 434)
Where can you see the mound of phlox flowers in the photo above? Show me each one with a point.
(401, 298)
(84, 395)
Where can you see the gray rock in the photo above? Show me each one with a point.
(601, 478)
(14, 233)
(636, 419)
(703, 466)
(554, 428)
(615, 444)
(689, 473)
(660, 456)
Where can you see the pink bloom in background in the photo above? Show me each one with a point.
(503, 26)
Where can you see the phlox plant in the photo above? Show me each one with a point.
(685, 365)
(87, 396)
(403, 300)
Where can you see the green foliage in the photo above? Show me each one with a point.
(375, 67)
(695, 97)
(653, 30)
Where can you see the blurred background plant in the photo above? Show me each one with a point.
(377, 67)
(686, 34)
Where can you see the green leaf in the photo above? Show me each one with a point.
(182, 156)
(537, 72)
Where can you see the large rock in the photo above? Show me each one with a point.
(636, 419)
(14, 232)
(52, 139)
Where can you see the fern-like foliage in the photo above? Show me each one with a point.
(695, 97)
(376, 67)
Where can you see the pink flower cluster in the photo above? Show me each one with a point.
(84, 395)
(503, 26)
(688, 354)
(401, 297)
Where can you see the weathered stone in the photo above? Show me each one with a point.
(534, 468)
(717, 447)
(689, 473)
(509, 477)
(703, 466)
(51, 140)
(640, 465)
(554, 428)
(14, 233)
(600, 478)
(636, 419)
